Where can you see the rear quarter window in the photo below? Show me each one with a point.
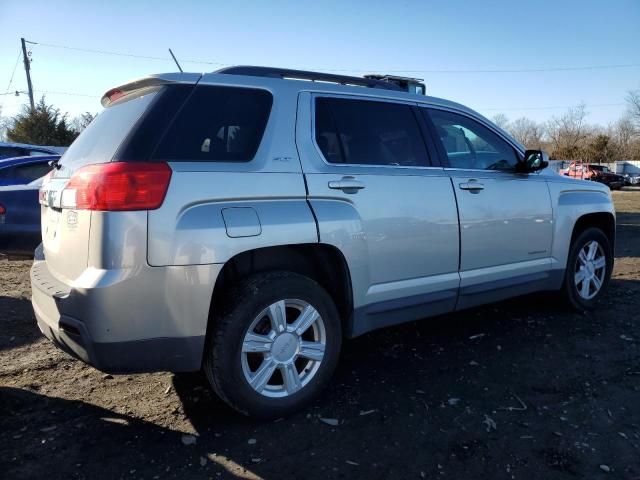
(100, 140)
(217, 124)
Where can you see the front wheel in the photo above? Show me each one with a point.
(589, 268)
(276, 345)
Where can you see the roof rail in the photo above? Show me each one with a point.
(305, 75)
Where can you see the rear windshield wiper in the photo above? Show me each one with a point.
(55, 164)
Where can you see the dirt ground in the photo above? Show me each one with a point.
(519, 389)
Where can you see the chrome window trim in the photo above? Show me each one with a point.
(410, 103)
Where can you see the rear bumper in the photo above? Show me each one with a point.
(158, 354)
(123, 326)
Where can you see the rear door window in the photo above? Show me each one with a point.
(362, 132)
(217, 124)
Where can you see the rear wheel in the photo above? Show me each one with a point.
(588, 269)
(276, 345)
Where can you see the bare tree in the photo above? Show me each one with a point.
(527, 132)
(633, 101)
(501, 120)
(82, 121)
(623, 134)
(4, 125)
(568, 133)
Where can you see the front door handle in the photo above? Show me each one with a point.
(472, 185)
(347, 185)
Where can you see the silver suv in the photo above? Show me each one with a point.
(244, 222)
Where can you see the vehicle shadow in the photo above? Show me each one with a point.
(17, 324)
(409, 398)
(409, 401)
(59, 438)
(627, 234)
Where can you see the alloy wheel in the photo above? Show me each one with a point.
(283, 348)
(590, 270)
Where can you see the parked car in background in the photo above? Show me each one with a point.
(9, 149)
(631, 179)
(244, 222)
(595, 173)
(23, 170)
(20, 219)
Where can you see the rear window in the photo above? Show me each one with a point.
(9, 152)
(100, 140)
(217, 124)
(31, 171)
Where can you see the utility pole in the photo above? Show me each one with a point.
(27, 68)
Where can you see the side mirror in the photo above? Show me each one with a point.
(533, 161)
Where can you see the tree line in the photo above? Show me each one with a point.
(565, 137)
(569, 137)
(43, 125)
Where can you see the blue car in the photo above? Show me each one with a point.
(20, 219)
(11, 149)
(22, 170)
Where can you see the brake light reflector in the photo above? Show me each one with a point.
(117, 186)
(114, 94)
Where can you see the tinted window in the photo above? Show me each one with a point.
(9, 152)
(7, 173)
(99, 141)
(31, 171)
(368, 133)
(217, 124)
(469, 144)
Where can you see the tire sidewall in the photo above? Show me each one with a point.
(570, 287)
(256, 294)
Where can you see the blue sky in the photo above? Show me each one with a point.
(357, 37)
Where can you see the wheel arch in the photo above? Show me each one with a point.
(321, 262)
(604, 221)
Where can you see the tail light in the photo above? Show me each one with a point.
(2, 209)
(117, 186)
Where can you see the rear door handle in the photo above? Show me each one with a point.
(347, 185)
(472, 185)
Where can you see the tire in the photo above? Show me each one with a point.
(252, 308)
(574, 292)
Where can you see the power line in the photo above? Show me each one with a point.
(121, 54)
(500, 109)
(14, 71)
(52, 92)
(529, 70)
(435, 71)
(552, 107)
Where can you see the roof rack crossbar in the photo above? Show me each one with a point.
(306, 75)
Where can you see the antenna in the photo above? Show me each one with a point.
(175, 60)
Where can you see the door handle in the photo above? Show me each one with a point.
(347, 185)
(472, 185)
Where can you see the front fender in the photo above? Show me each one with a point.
(572, 201)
